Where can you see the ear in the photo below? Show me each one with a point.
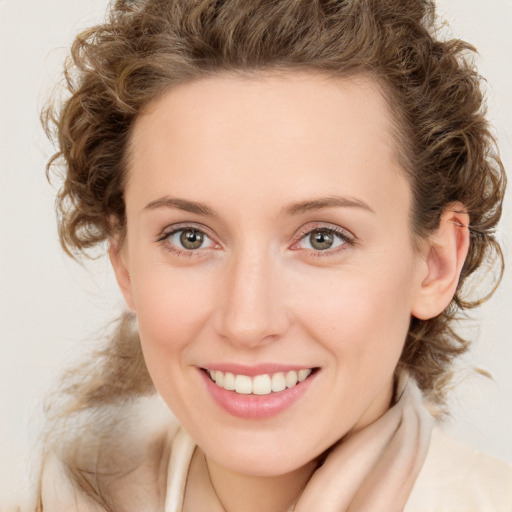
(445, 253)
(119, 261)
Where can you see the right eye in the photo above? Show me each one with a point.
(186, 240)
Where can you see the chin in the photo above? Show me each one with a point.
(262, 466)
(267, 457)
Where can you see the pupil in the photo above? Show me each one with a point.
(191, 239)
(321, 240)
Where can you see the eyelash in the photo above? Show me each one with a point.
(347, 239)
(164, 236)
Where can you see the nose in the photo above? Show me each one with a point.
(251, 311)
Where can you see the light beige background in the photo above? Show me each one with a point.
(50, 306)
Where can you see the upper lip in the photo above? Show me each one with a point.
(253, 370)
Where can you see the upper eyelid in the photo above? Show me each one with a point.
(303, 231)
(174, 228)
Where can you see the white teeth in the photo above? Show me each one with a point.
(260, 384)
(243, 384)
(219, 378)
(304, 374)
(229, 381)
(291, 379)
(278, 382)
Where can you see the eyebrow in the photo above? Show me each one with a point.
(181, 204)
(326, 202)
(292, 209)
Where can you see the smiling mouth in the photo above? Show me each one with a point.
(264, 384)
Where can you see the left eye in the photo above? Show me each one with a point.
(322, 240)
(189, 239)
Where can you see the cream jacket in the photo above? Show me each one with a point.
(454, 478)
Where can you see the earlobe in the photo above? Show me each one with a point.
(120, 265)
(445, 253)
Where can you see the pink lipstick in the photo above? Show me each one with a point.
(257, 392)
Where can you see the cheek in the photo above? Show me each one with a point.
(172, 308)
(359, 314)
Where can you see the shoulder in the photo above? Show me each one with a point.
(456, 477)
(128, 469)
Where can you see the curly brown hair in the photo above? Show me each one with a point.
(148, 46)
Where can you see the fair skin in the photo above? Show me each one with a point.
(268, 231)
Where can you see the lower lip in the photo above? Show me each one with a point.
(256, 407)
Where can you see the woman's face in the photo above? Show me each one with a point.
(267, 233)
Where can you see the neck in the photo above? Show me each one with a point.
(237, 492)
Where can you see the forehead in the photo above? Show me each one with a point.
(228, 99)
(286, 131)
